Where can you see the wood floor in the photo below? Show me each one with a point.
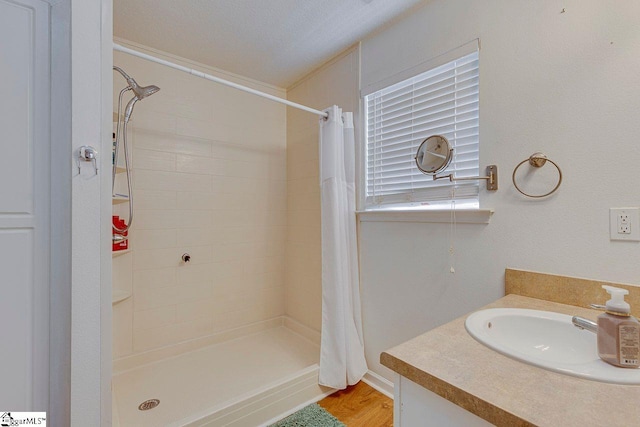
(360, 406)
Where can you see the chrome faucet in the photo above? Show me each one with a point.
(582, 323)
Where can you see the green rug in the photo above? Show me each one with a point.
(310, 416)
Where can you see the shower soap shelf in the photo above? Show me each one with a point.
(119, 253)
(119, 296)
(116, 200)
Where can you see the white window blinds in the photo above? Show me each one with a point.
(441, 101)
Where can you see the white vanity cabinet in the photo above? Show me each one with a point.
(415, 406)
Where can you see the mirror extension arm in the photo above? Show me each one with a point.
(491, 178)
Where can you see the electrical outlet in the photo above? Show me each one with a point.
(624, 228)
(624, 224)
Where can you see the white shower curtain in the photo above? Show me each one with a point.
(342, 360)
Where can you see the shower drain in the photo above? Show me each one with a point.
(148, 404)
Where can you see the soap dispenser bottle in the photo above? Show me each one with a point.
(618, 332)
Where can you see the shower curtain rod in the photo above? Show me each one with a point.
(206, 76)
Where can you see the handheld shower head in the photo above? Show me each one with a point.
(140, 91)
(143, 92)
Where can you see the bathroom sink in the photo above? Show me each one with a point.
(547, 340)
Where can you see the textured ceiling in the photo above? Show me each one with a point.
(274, 41)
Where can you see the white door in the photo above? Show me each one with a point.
(24, 205)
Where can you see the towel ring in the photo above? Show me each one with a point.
(537, 160)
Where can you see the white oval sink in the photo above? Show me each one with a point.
(547, 340)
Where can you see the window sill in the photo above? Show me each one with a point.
(463, 216)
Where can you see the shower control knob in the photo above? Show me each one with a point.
(186, 258)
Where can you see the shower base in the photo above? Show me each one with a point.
(247, 381)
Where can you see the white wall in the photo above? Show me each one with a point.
(209, 179)
(334, 83)
(566, 84)
(91, 60)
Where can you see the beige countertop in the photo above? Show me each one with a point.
(503, 391)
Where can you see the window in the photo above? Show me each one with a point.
(442, 101)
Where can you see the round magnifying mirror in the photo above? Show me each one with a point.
(434, 155)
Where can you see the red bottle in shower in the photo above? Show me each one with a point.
(120, 240)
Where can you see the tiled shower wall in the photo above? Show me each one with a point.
(334, 83)
(209, 180)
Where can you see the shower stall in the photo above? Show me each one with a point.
(200, 335)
